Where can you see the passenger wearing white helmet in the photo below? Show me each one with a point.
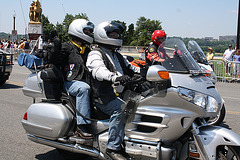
(75, 72)
(107, 67)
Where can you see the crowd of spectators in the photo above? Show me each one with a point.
(7, 44)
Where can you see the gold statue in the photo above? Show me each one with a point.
(35, 12)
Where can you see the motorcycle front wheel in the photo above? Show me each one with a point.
(228, 153)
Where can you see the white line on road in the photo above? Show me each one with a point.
(234, 98)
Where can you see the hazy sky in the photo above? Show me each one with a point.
(185, 18)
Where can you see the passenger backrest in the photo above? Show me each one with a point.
(52, 82)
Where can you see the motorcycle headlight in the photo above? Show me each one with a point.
(208, 103)
(212, 105)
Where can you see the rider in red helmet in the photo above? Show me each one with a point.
(158, 37)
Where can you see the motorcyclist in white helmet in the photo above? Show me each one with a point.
(107, 67)
(75, 72)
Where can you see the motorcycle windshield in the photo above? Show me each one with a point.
(179, 60)
(196, 52)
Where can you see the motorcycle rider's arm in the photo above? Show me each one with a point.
(223, 59)
(154, 57)
(96, 66)
(132, 67)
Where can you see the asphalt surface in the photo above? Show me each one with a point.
(230, 92)
(14, 144)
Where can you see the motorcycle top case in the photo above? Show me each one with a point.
(48, 120)
(46, 84)
(32, 86)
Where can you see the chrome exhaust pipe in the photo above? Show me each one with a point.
(77, 148)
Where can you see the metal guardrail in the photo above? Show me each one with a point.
(130, 49)
(226, 71)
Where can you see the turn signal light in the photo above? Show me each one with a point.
(25, 116)
(208, 73)
(163, 74)
(194, 155)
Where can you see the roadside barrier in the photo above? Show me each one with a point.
(226, 71)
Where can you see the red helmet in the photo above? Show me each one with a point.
(158, 37)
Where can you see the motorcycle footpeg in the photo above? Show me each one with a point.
(80, 140)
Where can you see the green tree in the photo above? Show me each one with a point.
(47, 27)
(59, 29)
(145, 28)
(66, 22)
(129, 35)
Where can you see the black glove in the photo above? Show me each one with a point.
(53, 34)
(137, 77)
(123, 79)
(57, 45)
(146, 86)
(39, 53)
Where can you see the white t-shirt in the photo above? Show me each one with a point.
(228, 54)
(142, 56)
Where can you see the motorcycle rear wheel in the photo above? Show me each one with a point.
(228, 153)
(73, 156)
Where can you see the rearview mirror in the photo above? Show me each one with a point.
(157, 73)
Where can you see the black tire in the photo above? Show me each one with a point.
(228, 152)
(220, 117)
(73, 156)
(2, 82)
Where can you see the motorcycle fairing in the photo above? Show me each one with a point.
(210, 137)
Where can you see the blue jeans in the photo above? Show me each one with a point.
(81, 90)
(117, 123)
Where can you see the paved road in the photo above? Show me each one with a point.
(230, 92)
(14, 144)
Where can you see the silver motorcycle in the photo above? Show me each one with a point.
(166, 122)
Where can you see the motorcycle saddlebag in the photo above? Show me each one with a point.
(52, 82)
(48, 120)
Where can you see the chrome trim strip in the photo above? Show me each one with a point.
(140, 141)
(77, 148)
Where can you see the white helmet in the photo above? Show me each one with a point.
(76, 28)
(102, 30)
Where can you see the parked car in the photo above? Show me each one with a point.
(6, 62)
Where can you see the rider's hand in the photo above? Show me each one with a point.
(57, 44)
(137, 77)
(123, 79)
(146, 86)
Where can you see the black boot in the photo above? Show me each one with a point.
(82, 131)
(117, 154)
